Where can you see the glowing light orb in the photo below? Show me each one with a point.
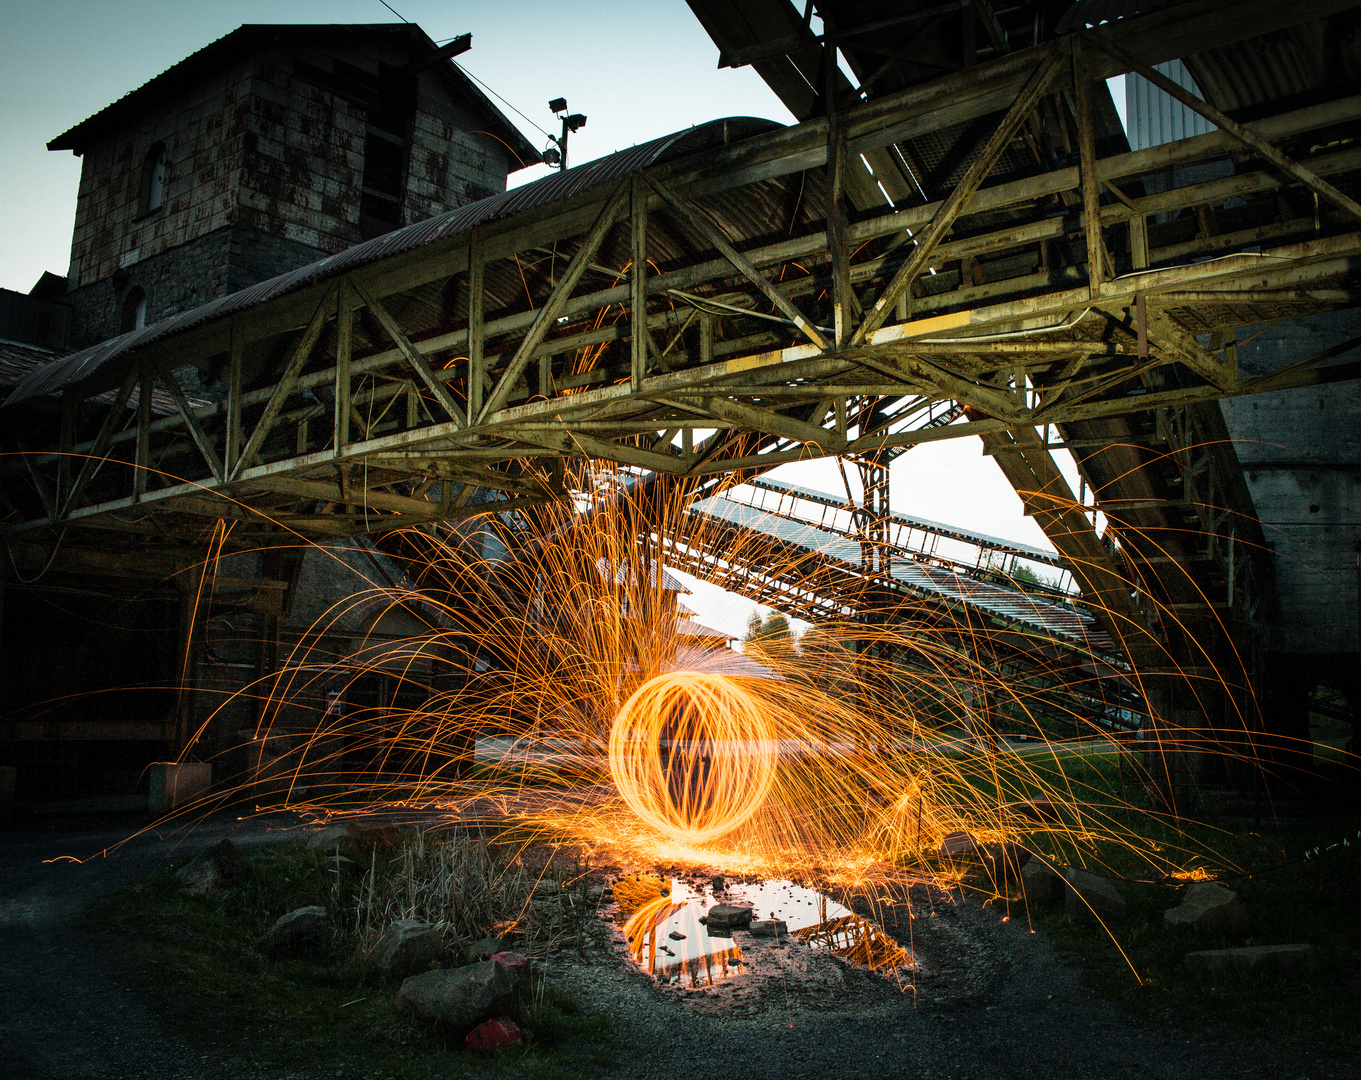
(693, 755)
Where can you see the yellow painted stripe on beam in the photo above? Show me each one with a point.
(769, 359)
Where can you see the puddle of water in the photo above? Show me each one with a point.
(667, 939)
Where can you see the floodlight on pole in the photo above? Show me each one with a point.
(557, 153)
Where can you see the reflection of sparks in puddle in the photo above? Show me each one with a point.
(667, 939)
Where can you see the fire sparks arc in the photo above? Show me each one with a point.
(693, 755)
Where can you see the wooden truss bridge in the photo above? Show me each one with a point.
(742, 295)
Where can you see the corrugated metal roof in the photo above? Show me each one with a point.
(995, 543)
(1051, 618)
(543, 192)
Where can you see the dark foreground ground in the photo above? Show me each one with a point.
(992, 1000)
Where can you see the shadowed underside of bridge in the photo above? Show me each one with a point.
(925, 256)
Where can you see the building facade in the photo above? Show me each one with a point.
(269, 149)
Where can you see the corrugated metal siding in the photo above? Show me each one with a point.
(1154, 118)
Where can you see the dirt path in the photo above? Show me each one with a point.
(991, 1002)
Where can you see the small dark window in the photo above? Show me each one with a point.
(153, 180)
(133, 316)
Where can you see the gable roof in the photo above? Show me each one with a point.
(251, 37)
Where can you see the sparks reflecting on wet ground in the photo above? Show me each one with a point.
(676, 937)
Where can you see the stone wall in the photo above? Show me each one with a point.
(1301, 455)
(264, 174)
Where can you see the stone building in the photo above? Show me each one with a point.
(267, 150)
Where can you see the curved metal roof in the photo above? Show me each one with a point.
(550, 189)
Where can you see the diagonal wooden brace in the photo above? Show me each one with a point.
(718, 240)
(549, 312)
(1256, 143)
(950, 209)
(102, 441)
(284, 387)
(437, 386)
(196, 432)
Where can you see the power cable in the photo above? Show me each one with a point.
(470, 75)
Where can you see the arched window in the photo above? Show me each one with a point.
(153, 180)
(133, 316)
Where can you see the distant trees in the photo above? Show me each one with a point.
(770, 641)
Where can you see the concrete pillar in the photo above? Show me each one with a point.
(176, 784)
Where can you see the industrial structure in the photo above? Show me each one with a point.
(955, 239)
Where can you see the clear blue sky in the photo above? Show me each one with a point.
(637, 69)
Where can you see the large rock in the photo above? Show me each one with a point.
(1272, 959)
(484, 949)
(769, 928)
(1005, 862)
(407, 947)
(1210, 907)
(499, 1034)
(305, 930)
(1090, 897)
(723, 917)
(959, 845)
(336, 840)
(218, 868)
(1041, 882)
(460, 997)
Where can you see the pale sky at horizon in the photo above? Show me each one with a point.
(635, 79)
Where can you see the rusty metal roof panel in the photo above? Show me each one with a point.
(1051, 618)
(950, 532)
(543, 192)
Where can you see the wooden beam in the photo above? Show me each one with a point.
(476, 333)
(113, 420)
(357, 495)
(301, 353)
(1091, 191)
(236, 347)
(437, 385)
(954, 204)
(340, 436)
(196, 432)
(553, 305)
(1312, 181)
(712, 236)
(141, 464)
(638, 352)
(838, 247)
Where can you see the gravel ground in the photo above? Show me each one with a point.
(990, 1001)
